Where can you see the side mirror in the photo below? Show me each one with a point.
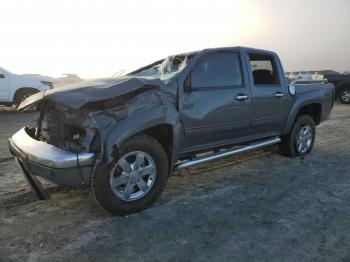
(187, 84)
(291, 88)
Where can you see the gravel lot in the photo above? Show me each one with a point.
(257, 206)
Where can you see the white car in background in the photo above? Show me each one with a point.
(301, 75)
(317, 76)
(16, 88)
(67, 79)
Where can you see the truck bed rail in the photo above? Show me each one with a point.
(309, 81)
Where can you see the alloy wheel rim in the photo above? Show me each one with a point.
(304, 139)
(133, 176)
(346, 96)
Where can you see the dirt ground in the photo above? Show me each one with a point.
(259, 206)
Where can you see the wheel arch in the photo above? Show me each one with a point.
(341, 86)
(314, 110)
(164, 127)
(163, 133)
(312, 107)
(23, 90)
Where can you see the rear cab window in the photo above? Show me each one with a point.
(264, 69)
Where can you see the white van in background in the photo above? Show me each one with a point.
(15, 88)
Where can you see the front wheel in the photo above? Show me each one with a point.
(135, 179)
(301, 138)
(344, 95)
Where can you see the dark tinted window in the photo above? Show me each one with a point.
(264, 69)
(215, 70)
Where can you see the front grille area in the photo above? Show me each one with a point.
(66, 131)
(52, 128)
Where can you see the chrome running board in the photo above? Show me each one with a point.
(226, 153)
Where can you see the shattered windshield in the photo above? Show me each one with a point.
(165, 69)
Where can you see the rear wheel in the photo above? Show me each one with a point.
(301, 139)
(344, 95)
(136, 178)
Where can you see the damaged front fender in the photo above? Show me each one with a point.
(146, 110)
(101, 126)
(147, 119)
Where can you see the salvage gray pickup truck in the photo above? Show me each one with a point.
(124, 136)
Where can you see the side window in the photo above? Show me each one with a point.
(217, 70)
(263, 69)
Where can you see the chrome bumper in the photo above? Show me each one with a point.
(23, 146)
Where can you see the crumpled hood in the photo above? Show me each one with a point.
(77, 95)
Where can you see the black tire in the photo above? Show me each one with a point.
(344, 94)
(21, 95)
(100, 180)
(288, 145)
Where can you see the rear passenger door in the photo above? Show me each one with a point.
(270, 99)
(216, 108)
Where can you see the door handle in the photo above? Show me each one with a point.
(2, 76)
(241, 97)
(279, 95)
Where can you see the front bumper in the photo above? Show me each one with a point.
(52, 163)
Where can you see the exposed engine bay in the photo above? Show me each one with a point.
(71, 132)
